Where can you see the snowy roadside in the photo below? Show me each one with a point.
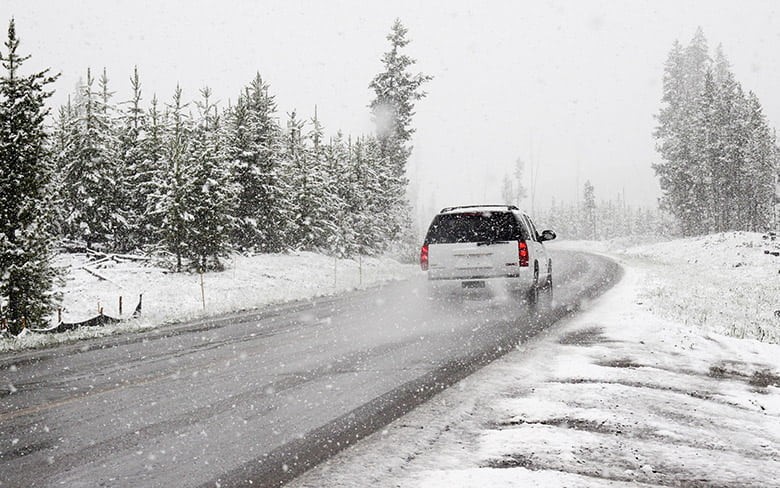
(248, 282)
(620, 395)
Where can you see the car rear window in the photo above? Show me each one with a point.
(474, 227)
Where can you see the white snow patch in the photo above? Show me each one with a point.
(248, 282)
(724, 283)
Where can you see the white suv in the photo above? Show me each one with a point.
(472, 246)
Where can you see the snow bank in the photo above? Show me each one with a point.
(723, 283)
(247, 282)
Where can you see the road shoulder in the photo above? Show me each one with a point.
(613, 397)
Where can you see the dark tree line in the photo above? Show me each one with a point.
(719, 157)
(192, 179)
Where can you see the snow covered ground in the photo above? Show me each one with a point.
(670, 379)
(642, 389)
(247, 282)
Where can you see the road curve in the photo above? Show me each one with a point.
(255, 397)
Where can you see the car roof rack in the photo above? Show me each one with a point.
(449, 209)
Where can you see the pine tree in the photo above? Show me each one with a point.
(150, 175)
(679, 172)
(91, 176)
(696, 62)
(762, 166)
(372, 194)
(325, 204)
(357, 189)
(715, 146)
(64, 131)
(336, 156)
(729, 153)
(26, 228)
(396, 90)
(210, 196)
(254, 145)
(65, 137)
(680, 91)
(298, 175)
(721, 66)
(508, 191)
(244, 175)
(589, 209)
(137, 169)
(171, 189)
(310, 183)
(520, 190)
(117, 209)
(702, 163)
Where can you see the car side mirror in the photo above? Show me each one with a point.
(547, 235)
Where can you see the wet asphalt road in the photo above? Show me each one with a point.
(255, 397)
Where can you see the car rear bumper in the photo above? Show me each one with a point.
(517, 282)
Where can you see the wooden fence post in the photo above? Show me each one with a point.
(202, 291)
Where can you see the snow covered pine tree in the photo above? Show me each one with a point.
(26, 225)
(396, 90)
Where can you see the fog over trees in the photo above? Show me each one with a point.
(719, 160)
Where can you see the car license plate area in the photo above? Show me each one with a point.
(472, 284)
(469, 262)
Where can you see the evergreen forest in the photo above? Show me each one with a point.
(190, 180)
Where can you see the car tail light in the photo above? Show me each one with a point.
(424, 257)
(522, 251)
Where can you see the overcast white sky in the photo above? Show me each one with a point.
(570, 86)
